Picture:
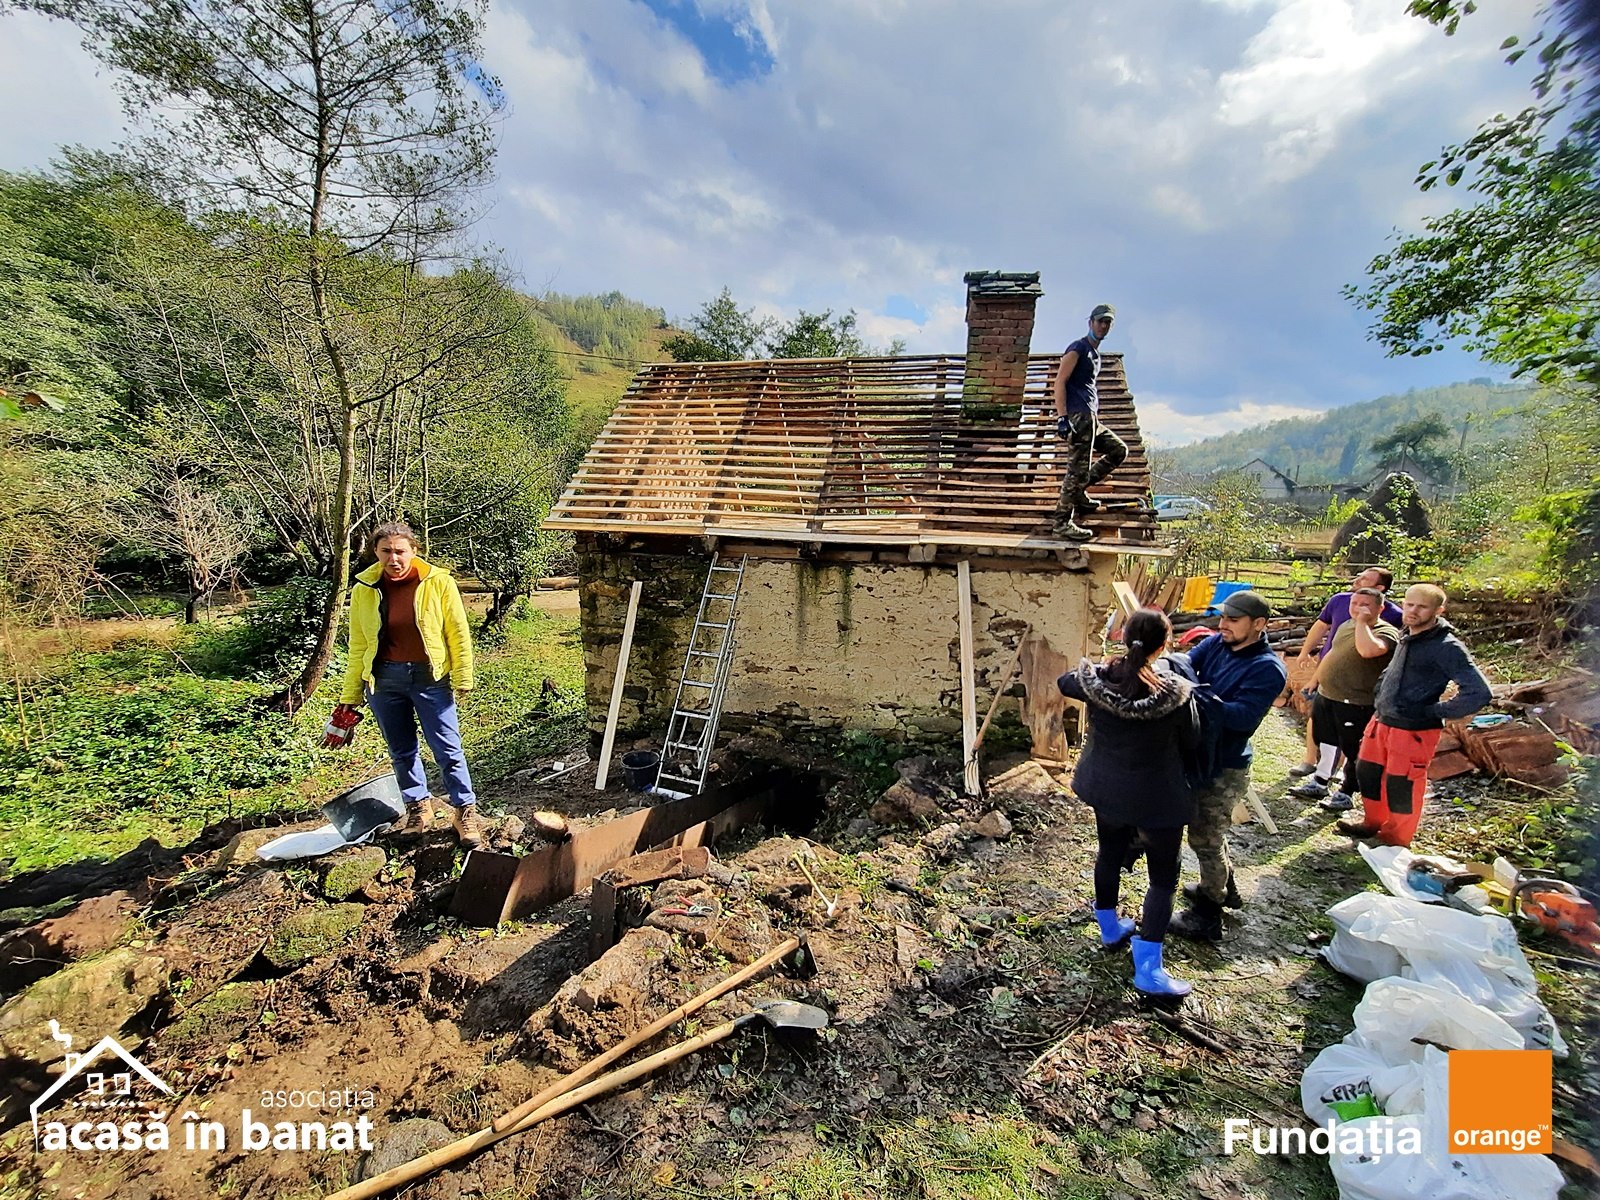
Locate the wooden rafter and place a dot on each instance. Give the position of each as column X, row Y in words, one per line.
column 843, row 447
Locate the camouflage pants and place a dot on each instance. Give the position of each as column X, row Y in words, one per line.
column 1208, row 835
column 1086, row 438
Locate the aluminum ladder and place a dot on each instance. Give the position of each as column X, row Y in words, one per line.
column 697, row 708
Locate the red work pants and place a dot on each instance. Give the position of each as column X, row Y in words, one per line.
column 1393, row 774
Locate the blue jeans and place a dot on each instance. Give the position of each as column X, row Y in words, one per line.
column 407, row 695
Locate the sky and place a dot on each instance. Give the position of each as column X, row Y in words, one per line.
column 1216, row 169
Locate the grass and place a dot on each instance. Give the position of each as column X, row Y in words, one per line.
column 134, row 737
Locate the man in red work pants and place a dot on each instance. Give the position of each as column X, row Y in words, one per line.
column 1403, row 734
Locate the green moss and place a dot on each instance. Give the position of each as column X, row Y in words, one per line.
column 352, row 872
column 214, row 1019
column 312, row 933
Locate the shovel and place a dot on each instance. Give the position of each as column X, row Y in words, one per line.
column 779, row 1014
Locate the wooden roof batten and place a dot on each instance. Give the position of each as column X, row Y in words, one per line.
column 852, row 451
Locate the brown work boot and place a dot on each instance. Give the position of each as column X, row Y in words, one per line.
column 417, row 821
column 469, row 826
column 1356, row 829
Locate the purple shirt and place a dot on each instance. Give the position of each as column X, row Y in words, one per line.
column 1337, row 611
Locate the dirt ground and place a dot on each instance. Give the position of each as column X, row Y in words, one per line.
column 981, row 1043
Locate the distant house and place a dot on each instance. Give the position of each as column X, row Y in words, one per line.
column 1276, row 485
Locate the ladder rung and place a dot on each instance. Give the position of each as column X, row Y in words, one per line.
column 698, row 716
column 722, row 595
column 718, row 567
column 710, row 625
column 697, row 683
column 704, row 654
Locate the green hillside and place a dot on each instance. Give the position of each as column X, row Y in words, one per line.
column 1336, row 446
column 599, row 343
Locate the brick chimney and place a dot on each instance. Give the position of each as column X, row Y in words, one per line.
column 1000, row 308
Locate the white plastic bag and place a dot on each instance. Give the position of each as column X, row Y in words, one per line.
column 1436, row 1172
column 1477, row 956
column 1361, row 958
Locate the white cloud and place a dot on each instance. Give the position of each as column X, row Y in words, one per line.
column 1164, row 425
column 1217, row 170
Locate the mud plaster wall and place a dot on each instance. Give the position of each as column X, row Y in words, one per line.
column 826, row 646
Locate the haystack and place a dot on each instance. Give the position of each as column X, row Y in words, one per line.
column 1394, row 506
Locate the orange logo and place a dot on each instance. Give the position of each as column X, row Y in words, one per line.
column 1500, row 1101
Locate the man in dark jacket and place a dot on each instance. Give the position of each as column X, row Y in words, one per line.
column 1404, row 733
column 1077, row 401
column 1240, row 677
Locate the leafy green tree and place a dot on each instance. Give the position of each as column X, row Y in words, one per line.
column 720, row 332
column 822, row 335
column 1410, row 447
column 1514, row 274
column 353, row 133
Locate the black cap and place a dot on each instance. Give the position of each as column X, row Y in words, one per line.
column 1246, row 604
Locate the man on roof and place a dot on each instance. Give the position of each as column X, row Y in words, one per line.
column 1093, row 451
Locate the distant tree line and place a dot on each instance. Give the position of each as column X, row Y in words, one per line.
column 721, row 331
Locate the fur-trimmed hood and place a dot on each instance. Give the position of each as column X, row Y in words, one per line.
column 1173, row 693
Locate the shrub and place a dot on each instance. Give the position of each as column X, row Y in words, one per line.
column 167, row 748
column 271, row 641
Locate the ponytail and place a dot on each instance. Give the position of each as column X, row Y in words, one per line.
column 1145, row 636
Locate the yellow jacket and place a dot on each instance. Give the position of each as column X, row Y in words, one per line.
column 441, row 619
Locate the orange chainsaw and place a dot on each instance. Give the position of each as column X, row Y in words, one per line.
column 1559, row 907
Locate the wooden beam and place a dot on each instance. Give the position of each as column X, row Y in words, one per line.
column 616, row 686
column 969, row 685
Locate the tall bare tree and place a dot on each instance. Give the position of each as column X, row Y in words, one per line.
column 353, row 134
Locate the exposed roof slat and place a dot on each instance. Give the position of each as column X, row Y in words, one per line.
column 868, row 445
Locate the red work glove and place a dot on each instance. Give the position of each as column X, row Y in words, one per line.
column 341, row 726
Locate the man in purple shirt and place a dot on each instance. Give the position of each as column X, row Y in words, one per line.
column 1320, row 636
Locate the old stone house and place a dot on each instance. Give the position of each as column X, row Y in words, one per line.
column 853, row 490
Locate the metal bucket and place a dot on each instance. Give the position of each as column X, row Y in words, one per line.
column 365, row 807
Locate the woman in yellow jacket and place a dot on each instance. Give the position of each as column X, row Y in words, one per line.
column 410, row 656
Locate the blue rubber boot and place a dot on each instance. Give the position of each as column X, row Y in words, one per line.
column 1114, row 930
column 1148, row 974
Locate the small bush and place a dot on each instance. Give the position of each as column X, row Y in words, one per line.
column 273, row 639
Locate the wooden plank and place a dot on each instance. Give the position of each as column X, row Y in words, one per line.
column 969, row 685
column 616, row 686
column 1043, row 705
column 1005, row 682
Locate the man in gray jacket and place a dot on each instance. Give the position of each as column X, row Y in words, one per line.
column 1404, row 733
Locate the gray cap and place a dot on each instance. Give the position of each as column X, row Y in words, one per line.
column 1103, row 310
column 1246, row 604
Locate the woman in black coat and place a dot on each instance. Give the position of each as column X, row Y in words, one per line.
column 1142, row 725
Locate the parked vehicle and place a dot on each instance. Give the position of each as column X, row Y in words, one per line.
column 1176, row 508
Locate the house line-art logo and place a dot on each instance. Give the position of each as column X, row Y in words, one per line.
column 108, row 1093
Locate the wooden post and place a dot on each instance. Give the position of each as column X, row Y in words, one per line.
column 616, row 686
column 969, row 684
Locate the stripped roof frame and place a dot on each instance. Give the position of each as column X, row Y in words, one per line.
column 847, row 450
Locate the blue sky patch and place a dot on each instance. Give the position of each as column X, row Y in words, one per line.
column 905, row 308
column 733, row 50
